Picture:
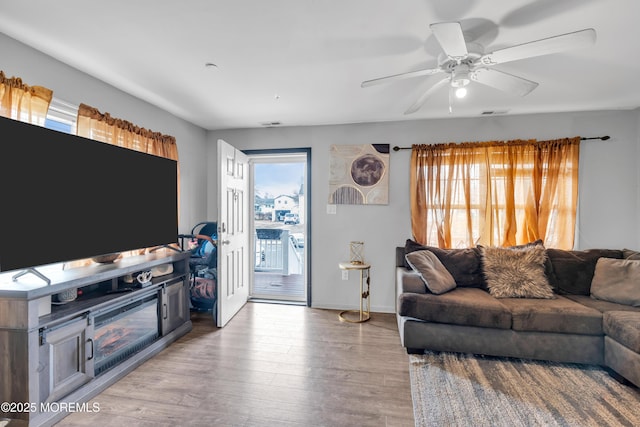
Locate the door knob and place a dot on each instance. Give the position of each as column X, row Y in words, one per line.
column 226, row 242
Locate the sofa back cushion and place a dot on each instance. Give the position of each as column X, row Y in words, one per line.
column 572, row 271
column 617, row 280
column 630, row 254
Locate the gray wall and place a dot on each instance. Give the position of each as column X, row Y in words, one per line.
column 71, row 85
column 609, row 206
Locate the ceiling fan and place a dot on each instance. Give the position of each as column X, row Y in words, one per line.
column 466, row 62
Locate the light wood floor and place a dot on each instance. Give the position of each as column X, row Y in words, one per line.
column 272, row 365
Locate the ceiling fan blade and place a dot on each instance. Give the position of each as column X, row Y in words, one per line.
column 504, row 81
column 401, row 76
column 563, row 42
column 423, row 98
column 451, row 39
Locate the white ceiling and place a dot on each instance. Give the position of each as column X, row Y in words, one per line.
column 301, row 62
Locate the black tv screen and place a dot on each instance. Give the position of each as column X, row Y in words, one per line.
column 65, row 197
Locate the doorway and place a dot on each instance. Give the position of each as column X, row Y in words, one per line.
column 281, row 225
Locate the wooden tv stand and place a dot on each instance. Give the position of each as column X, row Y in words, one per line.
column 48, row 352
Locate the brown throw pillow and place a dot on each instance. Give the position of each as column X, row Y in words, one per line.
column 617, row 280
column 516, row 273
column 434, row 275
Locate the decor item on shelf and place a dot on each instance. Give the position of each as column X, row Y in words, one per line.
column 144, row 277
column 66, row 296
column 356, row 250
column 161, row 270
column 359, row 174
column 106, row 259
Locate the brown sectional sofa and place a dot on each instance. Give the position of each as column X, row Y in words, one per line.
column 572, row 327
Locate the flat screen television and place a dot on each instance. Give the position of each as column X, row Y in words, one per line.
column 65, row 197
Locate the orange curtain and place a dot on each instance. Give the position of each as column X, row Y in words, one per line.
column 102, row 127
column 21, row 102
column 495, row 193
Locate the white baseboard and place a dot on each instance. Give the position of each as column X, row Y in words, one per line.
column 329, row 306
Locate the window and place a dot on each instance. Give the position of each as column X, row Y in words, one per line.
column 495, row 193
column 62, row 116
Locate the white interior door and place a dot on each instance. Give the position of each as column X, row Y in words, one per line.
column 233, row 231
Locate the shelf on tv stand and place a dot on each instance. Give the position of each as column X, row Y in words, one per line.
column 108, row 293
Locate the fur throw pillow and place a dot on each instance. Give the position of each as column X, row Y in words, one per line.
column 516, row 273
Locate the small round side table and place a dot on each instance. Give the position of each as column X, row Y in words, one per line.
column 365, row 303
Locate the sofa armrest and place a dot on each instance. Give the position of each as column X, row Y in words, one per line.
column 400, row 262
column 409, row 281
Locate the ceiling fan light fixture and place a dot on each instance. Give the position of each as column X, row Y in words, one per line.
column 461, row 92
column 460, row 81
column 461, row 76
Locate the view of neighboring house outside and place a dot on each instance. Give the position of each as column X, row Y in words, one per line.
column 275, row 209
column 263, row 208
column 283, row 205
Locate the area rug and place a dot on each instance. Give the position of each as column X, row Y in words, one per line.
column 450, row 389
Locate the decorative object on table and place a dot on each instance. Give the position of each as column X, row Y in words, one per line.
column 359, row 174
column 107, row 258
column 356, row 252
column 462, row 389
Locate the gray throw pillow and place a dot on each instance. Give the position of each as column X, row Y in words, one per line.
column 516, row 273
column 434, row 274
column 617, row 280
column 463, row 264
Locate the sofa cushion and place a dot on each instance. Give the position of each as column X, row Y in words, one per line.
column 434, row 275
column 516, row 273
column 461, row 306
column 617, row 280
column 630, row 254
column 600, row 305
column 553, row 315
column 463, row 264
column 572, row 271
column 624, row 327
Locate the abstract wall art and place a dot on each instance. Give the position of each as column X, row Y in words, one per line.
column 359, row 174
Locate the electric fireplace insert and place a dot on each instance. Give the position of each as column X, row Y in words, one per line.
column 124, row 330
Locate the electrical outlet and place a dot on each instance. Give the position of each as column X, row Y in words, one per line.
column 345, row 274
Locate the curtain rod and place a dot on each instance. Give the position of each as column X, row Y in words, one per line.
column 603, row 138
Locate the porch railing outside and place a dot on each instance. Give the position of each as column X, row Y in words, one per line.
column 277, row 252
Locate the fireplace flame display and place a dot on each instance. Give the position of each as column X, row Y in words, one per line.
column 124, row 331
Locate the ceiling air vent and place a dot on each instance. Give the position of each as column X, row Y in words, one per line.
column 493, row 113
